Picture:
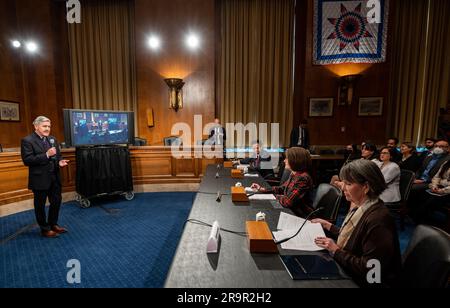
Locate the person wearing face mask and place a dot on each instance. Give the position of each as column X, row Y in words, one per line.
column 429, row 169
column 432, row 163
column 368, row 232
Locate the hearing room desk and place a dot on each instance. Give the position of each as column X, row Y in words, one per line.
column 233, row 266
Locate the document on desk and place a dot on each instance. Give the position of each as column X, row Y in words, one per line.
column 288, row 225
column 262, row 197
column 251, row 175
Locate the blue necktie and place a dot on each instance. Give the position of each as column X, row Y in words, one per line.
column 45, row 143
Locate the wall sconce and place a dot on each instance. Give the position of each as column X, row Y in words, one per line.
column 175, row 92
column 345, row 91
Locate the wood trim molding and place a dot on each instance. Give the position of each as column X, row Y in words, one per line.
column 150, row 165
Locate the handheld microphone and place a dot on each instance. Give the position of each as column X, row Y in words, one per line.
column 301, row 227
column 52, row 143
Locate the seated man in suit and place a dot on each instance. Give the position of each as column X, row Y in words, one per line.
column 255, row 160
column 429, row 169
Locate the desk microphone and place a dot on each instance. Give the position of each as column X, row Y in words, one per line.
column 217, row 175
column 306, row 219
column 219, row 196
column 52, row 143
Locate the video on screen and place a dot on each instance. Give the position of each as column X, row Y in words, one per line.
column 98, row 128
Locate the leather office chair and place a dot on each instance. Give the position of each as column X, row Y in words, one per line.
column 400, row 208
column 172, row 140
column 426, row 261
column 329, row 197
column 1, row 148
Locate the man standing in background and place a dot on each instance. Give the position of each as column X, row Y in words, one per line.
column 41, row 153
column 300, row 135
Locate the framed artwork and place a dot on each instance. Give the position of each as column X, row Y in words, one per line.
column 9, row 111
column 370, row 106
column 321, row 107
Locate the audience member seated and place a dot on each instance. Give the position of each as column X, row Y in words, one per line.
column 352, row 152
column 431, row 165
column 429, row 169
column 368, row 152
column 410, row 161
column 296, row 192
column 437, row 196
column 429, row 145
column 391, row 174
column 368, row 231
column 392, row 143
column 255, row 161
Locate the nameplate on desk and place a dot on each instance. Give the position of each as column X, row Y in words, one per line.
column 228, row 164
column 238, row 194
column 236, row 174
column 260, row 238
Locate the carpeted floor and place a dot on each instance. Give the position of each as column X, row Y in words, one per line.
column 118, row 243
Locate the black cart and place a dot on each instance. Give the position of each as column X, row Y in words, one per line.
column 103, row 171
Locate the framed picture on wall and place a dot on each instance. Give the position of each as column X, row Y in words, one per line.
column 9, row 111
column 370, row 106
column 321, row 107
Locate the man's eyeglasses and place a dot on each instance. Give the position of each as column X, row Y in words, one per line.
column 441, row 146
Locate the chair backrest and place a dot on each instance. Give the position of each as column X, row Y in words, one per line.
column 326, row 152
column 406, row 182
column 140, row 141
column 172, row 140
column 285, row 175
column 328, row 197
column 1, row 148
column 426, row 261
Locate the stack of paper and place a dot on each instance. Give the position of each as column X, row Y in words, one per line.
column 288, row 225
column 262, row 197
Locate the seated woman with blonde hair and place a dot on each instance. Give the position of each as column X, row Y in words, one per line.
column 295, row 193
column 368, row 232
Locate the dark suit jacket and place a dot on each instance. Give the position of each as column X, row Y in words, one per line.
column 374, row 237
column 34, row 156
column 436, row 167
column 295, row 135
column 256, row 165
column 211, row 133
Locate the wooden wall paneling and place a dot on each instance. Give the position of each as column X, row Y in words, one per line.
column 172, row 21
column 322, row 81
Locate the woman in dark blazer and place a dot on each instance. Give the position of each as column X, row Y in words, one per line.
column 368, row 232
column 410, row 160
column 295, row 193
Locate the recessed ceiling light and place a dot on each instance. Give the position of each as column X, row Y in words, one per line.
column 31, row 47
column 16, row 44
column 192, row 41
column 154, row 42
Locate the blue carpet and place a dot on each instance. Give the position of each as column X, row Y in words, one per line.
column 120, row 244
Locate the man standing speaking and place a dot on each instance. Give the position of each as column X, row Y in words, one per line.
column 40, row 152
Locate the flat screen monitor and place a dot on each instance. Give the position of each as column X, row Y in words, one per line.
column 98, row 127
